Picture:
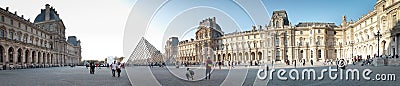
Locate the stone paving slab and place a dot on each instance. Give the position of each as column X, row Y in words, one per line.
column 61, row 76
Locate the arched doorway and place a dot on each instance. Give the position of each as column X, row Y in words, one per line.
column 253, row 56
column 240, row 57
column 48, row 58
column 11, row 55
column 39, row 57
column 234, row 57
column 229, row 57
column 19, row 56
column 246, row 57
column 1, row 54
column 27, row 56
column 33, row 57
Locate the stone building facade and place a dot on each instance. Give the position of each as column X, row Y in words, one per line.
column 317, row 41
column 41, row 43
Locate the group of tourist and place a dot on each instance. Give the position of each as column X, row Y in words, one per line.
column 115, row 67
column 160, row 64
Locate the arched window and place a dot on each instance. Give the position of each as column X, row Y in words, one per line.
column 276, row 23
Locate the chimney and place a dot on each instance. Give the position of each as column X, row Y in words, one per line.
column 47, row 12
column 6, row 8
column 22, row 16
column 214, row 23
column 260, row 27
column 15, row 12
column 254, row 28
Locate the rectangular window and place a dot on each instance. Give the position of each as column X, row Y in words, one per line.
column 2, row 34
column 18, row 37
column 311, row 54
column 11, row 35
column 394, row 20
column 11, row 22
column 2, row 19
column 277, row 41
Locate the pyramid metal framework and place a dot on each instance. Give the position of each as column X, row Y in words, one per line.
column 144, row 54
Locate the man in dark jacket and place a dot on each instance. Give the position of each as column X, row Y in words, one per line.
column 92, row 66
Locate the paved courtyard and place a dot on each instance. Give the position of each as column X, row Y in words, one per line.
column 247, row 76
column 61, row 76
column 145, row 76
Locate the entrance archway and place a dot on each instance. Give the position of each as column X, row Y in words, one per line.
column 1, row 54
column 39, row 58
column 33, row 57
column 27, row 56
column 19, row 56
column 253, row 56
column 11, row 55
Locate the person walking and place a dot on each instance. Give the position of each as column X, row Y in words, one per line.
column 219, row 64
column 119, row 69
column 208, row 68
column 189, row 74
column 113, row 67
column 92, row 67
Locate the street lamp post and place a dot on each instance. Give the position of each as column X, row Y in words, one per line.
column 378, row 36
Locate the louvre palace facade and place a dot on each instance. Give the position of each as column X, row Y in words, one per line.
column 42, row 43
column 279, row 40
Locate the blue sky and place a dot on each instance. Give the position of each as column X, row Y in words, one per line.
column 321, row 10
column 177, row 17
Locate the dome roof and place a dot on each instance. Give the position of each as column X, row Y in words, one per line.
column 50, row 12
